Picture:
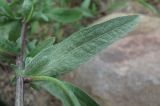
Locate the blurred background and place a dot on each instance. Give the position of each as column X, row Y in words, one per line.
column 125, row 74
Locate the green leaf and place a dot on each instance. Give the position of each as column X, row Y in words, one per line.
column 27, row 9
column 86, row 12
column 8, row 31
column 149, row 6
column 83, row 98
column 79, row 47
column 27, row 4
column 3, row 19
column 45, row 44
column 7, row 48
column 4, row 58
column 14, row 32
column 111, row 6
column 85, row 4
column 40, row 16
column 28, row 59
column 66, row 15
column 5, row 9
column 49, row 84
column 57, row 88
column 31, row 45
column 43, row 10
column 94, row 8
column 35, row 27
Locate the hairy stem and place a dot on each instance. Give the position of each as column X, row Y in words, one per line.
column 20, row 63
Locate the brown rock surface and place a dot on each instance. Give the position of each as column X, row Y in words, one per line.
column 128, row 72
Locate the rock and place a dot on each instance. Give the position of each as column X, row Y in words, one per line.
column 128, row 72
column 134, row 6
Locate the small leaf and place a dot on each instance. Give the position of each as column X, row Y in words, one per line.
column 8, row 31
column 31, row 45
column 86, row 12
column 5, row 9
column 27, row 9
column 45, row 44
column 66, row 15
column 7, row 48
column 28, row 59
column 79, row 47
column 43, row 10
column 85, row 4
column 5, row 58
column 35, row 27
column 57, row 88
column 111, row 6
column 149, row 6
column 15, row 31
column 27, row 4
column 40, row 16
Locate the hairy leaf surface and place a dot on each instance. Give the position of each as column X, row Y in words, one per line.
column 79, row 47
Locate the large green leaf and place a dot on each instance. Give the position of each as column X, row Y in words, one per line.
column 79, row 47
column 57, row 88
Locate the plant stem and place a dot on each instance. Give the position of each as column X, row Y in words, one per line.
column 20, row 63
